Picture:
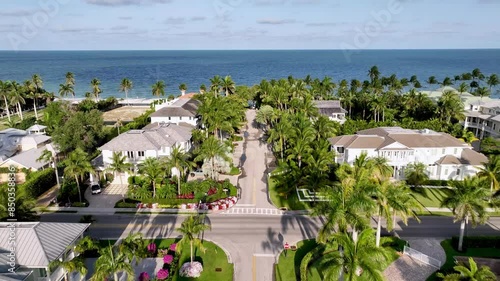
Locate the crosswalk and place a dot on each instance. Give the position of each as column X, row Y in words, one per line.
column 253, row 211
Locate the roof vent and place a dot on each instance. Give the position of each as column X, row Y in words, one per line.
column 136, row 131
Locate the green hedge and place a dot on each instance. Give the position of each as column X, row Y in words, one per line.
column 436, row 182
column 477, row 242
column 39, row 182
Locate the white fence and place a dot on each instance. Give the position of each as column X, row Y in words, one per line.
column 421, row 257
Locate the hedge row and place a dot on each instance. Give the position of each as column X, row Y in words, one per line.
column 39, row 182
column 477, row 242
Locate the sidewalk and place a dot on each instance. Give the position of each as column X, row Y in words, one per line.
column 448, row 210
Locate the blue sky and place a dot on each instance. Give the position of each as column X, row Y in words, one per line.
column 248, row 24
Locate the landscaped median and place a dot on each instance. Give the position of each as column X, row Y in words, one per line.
column 196, row 195
column 289, row 262
column 476, row 247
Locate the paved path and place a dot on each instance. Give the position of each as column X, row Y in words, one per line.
column 253, row 180
column 108, row 197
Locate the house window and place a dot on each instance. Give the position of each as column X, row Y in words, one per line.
column 494, row 126
column 446, row 171
column 455, row 151
column 140, row 153
column 130, row 154
column 458, row 172
column 180, row 118
column 169, row 118
column 340, row 149
column 443, row 151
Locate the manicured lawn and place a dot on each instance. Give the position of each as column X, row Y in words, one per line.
column 288, row 267
column 213, row 257
column 471, row 252
column 291, row 202
column 431, row 197
column 15, row 118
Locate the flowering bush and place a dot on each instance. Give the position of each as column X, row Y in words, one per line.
column 173, row 247
column 162, row 253
column 168, row 259
column 144, row 276
column 152, row 247
column 162, row 274
column 191, row 270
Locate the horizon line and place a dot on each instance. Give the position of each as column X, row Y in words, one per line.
column 194, row 50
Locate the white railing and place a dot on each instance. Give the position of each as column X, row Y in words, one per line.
column 421, row 257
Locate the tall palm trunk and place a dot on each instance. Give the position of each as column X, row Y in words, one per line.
column 126, row 96
column 78, row 186
column 379, row 229
column 354, row 235
column 281, row 150
column 178, row 181
column 154, row 189
column 20, row 110
column 115, row 275
column 462, row 231
column 191, row 246
column 6, row 107
column 34, row 107
column 121, row 184
column 57, row 173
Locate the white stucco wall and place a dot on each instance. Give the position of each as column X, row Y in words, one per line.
column 175, row 120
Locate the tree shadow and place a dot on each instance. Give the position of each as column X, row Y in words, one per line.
column 308, row 226
column 274, row 242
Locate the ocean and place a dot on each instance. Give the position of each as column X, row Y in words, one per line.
column 245, row 67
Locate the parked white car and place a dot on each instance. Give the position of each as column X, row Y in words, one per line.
column 95, row 188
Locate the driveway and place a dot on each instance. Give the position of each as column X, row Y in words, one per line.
column 108, row 197
column 253, row 180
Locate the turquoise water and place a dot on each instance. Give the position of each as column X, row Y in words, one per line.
column 246, row 67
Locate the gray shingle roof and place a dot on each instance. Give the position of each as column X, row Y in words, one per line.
column 182, row 107
column 28, row 159
column 39, row 243
column 328, row 107
column 152, row 137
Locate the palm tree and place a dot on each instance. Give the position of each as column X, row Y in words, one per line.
column 151, row 168
column 32, row 93
column 5, row 94
column 203, row 88
column 462, row 88
column 183, row 88
column 215, row 84
column 179, row 160
column 190, row 228
column 112, row 262
column 446, row 82
column 133, row 247
column 37, row 82
column 356, row 260
column 228, row 85
column 96, row 90
column 86, row 244
column 118, row 124
column 16, row 97
column 416, row 174
column 471, row 272
column 492, row 81
column 467, row 200
column 432, row 80
column 70, row 79
column 491, row 172
column 75, row 264
column 477, row 74
column 158, row 88
column 374, row 73
column 118, row 166
column 50, row 156
column 66, row 89
column 125, row 86
column 211, row 149
column 392, row 198
column 482, row 92
column 77, row 165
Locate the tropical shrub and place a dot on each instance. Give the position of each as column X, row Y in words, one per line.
column 39, row 182
column 144, row 276
column 168, row 259
column 191, row 270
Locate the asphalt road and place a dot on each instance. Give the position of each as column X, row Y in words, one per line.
column 256, row 239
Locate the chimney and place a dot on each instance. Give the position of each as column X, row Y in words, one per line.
column 183, row 92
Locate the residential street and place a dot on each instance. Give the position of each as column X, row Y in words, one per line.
column 253, row 232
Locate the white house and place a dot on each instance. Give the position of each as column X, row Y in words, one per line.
column 155, row 140
column 446, row 157
column 332, row 109
column 483, row 118
column 183, row 110
column 23, row 148
column 37, row 244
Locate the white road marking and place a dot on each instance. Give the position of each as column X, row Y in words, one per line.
column 253, row 211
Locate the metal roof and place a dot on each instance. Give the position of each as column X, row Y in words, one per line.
column 39, row 243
